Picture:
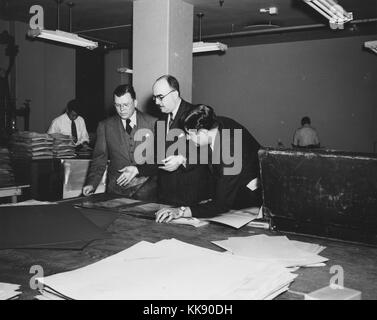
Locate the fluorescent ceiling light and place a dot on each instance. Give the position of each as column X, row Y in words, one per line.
column 372, row 45
column 124, row 70
column 61, row 36
column 330, row 9
column 208, row 46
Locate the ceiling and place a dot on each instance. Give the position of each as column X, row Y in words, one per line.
column 221, row 17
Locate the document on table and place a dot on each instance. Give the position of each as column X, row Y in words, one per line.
column 237, row 218
column 170, row 269
column 30, row 202
column 277, row 248
column 9, row 291
column 108, row 204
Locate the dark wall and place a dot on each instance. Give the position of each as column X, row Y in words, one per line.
column 45, row 74
column 269, row 87
column 90, row 85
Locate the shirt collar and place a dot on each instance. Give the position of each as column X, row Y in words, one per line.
column 213, row 138
column 132, row 120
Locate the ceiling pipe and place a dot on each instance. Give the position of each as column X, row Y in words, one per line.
column 70, row 6
column 105, row 28
column 278, row 30
column 58, row 3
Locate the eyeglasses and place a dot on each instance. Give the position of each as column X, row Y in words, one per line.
column 122, row 105
column 160, row 96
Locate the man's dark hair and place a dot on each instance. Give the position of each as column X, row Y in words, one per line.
column 73, row 105
column 122, row 89
column 305, row 120
column 201, row 117
column 172, row 81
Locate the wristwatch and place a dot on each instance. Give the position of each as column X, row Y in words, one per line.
column 182, row 211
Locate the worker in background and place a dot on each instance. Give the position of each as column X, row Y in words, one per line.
column 70, row 123
column 306, row 136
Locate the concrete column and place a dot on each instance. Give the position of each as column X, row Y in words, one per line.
column 162, row 44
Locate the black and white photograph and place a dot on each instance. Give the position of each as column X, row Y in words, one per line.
column 188, row 156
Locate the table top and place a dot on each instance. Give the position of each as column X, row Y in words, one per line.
column 358, row 261
column 15, row 187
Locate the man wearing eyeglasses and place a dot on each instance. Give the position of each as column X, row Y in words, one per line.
column 115, row 142
column 179, row 183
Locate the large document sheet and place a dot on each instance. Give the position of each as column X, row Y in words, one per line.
column 170, row 269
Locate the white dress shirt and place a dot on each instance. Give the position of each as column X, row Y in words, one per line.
column 62, row 124
column 132, row 121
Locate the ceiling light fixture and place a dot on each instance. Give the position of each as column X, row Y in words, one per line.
column 201, row 46
column 124, row 70
column 270, row 10
column 62, row 36
column 330, row 9
column 372, row 45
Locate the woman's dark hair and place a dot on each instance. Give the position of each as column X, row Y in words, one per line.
column 122, row 89
column 201, row 117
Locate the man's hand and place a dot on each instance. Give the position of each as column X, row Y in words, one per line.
column 172, row 163
column 168, row 214
column 128, row 173
column 87, row 190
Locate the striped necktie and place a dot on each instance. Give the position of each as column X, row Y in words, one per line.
column 128, row 126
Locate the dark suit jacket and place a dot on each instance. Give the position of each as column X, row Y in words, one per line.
column 187, row 185
column 230, row 190
column 115, row 145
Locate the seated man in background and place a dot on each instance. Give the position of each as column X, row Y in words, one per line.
column 115, row 143
column 233, row 162
column 306, row 136
column 71, row 124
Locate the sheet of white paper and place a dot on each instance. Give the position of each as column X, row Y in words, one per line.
column 8, row 290
column 171, row 269
column 236, row 218
column 278, row 249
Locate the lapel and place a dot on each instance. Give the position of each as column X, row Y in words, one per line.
column 139, row 120
column 120, row 131
column 181, row 111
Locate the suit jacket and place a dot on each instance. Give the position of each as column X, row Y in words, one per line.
column 231, row 191
column 187, row 185
column 116, row 145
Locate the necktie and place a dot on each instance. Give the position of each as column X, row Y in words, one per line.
column 128, row 126
column 74, row 131
column 170, row 119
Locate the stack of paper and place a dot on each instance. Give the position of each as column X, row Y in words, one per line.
column 6, row 171
column 278, row 249
column 63, row 146
column 170, row 269
column 32, row 145
column 9, row 291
